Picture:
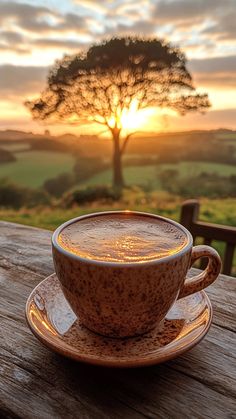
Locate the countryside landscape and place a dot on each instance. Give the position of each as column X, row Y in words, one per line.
column 47, row 179
column 113, row 115
column 110, row 126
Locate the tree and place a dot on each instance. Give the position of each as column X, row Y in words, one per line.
column 6, row 156
column 102, row 84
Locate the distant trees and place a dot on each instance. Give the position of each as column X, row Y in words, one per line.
column 85, row 167
column 16, row 196
column 50, row 145
column 6, row 156
column 211, row 185
column 89, row 194
column 102, row 85
column 59, row 185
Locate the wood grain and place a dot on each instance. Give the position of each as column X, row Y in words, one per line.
column 36, row 383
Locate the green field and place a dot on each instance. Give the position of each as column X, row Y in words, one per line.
column 32, row 168
column 148, row 175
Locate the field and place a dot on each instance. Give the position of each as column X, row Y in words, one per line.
column 148, row 175
column 32, row 168
column 215, row 210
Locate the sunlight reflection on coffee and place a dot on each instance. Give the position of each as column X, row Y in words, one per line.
column 122, row 238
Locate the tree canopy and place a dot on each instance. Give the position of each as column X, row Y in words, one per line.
column 101, row 84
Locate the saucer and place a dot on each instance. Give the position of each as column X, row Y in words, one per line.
column 53, row 322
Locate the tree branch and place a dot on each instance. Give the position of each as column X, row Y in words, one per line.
column 103, row 132
column 126, row 139
column 99, row 122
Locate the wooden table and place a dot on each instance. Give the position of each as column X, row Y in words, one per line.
column 36, row 383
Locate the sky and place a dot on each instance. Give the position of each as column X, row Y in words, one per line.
column 35, row 33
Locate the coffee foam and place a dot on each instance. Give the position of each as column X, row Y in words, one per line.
column 122, row 238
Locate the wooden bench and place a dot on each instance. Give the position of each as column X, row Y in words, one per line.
column 210, row 232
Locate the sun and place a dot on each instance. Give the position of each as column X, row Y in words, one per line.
column 133, row 118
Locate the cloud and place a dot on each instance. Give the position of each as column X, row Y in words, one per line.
column 25, row 15
column 225, row 27
column 71, row 22
column 18, row 50
column 213, row 119
column 203, row 28
column 20, row 80
column 180, row 10
column 94, row 6
column 11, row 36
column 214, row 65
column 28, row 80
column 216, row 71
column 12, row 40
column 180, row 21
column 139, row 28
column 21, row 22
column 210, row 17
column 58, row 43
column 39, row 19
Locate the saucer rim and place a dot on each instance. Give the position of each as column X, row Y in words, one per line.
column 137, row 362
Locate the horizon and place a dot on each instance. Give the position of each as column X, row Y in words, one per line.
column 140, row 135
column 36, row 33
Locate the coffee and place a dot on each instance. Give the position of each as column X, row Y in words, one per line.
column 122, row 238
column 127, row 299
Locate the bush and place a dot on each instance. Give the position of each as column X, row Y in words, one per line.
column 59, row 185
column 49, row 144
column 169, row 179
column 85, row 167
column 205, row 184
column 15, row 196
column 90, row 194
column 6, row 156
column 140, row 160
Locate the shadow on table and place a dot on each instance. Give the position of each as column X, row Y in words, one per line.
column 116, row 390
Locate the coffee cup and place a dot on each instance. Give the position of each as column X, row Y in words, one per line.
column 122, row 271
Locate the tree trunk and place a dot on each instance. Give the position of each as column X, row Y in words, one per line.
column 118, row 181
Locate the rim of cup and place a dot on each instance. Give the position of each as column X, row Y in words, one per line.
column 71, row 255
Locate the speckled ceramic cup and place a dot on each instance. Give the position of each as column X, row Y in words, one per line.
column 127, row 299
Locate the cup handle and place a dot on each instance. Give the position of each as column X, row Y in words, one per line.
column 205, row 278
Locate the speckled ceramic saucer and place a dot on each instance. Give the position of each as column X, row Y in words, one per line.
column 54, row 323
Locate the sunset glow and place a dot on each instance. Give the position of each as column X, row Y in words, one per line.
column 134, row 118
column 35, row 33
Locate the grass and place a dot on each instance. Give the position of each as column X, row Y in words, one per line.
column 148, row 175
column 214, row 211
column 195, row 168
column 32, row 168
column 134, row 175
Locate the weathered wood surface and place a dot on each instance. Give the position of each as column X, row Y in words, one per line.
column 36, row 383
